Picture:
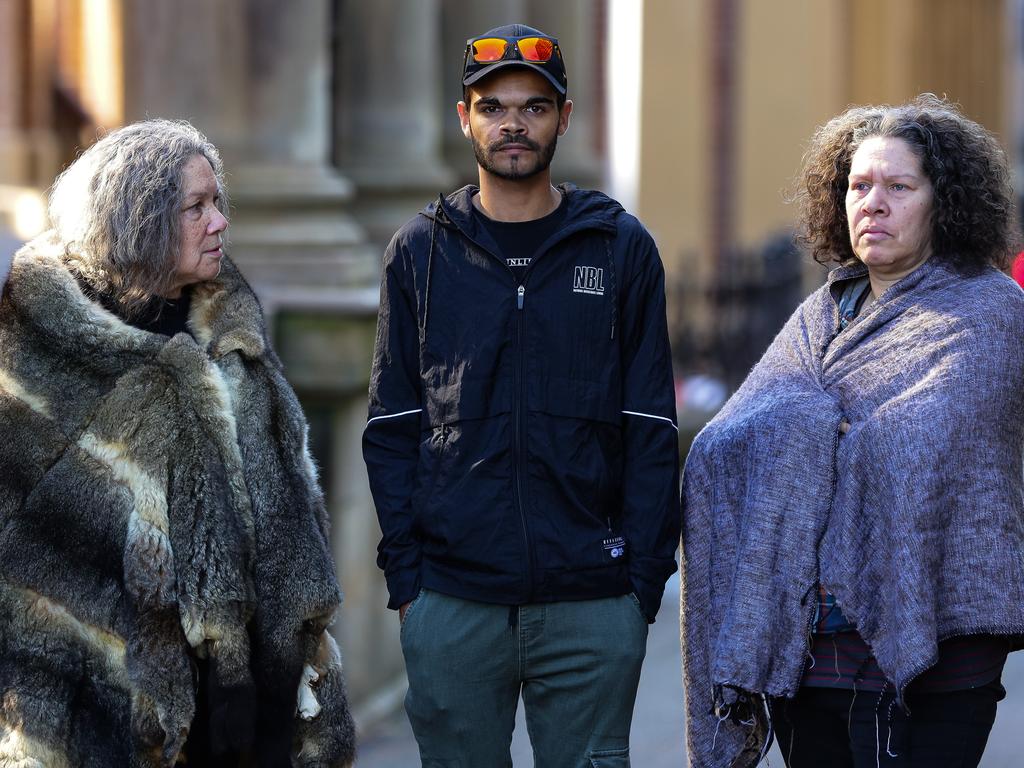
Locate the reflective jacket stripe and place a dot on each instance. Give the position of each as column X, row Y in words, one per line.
column 652, row 416
column 392, row 416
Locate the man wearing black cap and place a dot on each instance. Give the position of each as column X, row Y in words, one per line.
column 521, row 446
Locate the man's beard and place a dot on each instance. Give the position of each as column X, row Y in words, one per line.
column 516, row 170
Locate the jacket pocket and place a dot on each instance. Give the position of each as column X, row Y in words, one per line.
column 578, row 399
column 430, row 472
column 462, row 399
column 575, row 439
column 465, row 471
column 575, row 475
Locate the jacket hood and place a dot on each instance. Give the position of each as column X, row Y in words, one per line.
column 588, row 209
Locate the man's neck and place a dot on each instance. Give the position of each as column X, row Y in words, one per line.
column 519, row 200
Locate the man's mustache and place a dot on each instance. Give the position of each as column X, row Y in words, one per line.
column 521, row 141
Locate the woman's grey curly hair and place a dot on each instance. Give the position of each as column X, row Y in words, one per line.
column 116, row 209
column 973, row 222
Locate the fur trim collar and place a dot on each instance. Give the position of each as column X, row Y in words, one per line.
column 225, row 317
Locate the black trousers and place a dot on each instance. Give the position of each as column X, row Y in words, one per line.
column 199, row 751
column 835, row 728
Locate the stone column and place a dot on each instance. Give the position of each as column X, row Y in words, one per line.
column 368, row 632
column 256, row 80
column 206, row 85
column 14, row 145
column 579, row 27
column 30, row 151
column 13, row 142
column 388, row 123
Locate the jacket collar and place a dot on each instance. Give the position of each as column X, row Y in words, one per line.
column 587, row 209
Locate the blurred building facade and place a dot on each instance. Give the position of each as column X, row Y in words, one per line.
column 733, row 90
column 336, row 119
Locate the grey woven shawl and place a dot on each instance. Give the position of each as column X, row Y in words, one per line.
column 914, row 519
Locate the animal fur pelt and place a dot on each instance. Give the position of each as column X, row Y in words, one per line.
column 913, row 519
column 158, row 505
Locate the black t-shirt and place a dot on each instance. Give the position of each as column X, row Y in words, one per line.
column 166, row 316
column 518, row 241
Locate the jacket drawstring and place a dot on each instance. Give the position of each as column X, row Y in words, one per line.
column 430, row 269
column 611, row 283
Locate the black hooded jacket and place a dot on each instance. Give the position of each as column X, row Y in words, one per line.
column 521, row 442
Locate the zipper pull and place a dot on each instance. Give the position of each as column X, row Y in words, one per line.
column 520, row 294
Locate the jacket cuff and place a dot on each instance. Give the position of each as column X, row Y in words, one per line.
column 403, row 586
column 648, row 577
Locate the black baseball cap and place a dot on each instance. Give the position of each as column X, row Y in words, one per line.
column 553, row 69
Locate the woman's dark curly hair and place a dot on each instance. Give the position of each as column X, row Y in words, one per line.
column 973, row 221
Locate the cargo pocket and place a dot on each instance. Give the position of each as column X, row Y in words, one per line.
column 610, row 758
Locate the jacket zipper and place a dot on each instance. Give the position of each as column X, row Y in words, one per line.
column 519, row 429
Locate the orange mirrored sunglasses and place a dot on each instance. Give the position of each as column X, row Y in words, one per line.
column 487, row 50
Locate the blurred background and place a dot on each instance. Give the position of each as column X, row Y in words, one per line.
column 337, row 123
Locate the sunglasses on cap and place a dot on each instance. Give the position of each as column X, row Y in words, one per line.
column 492, row 51
column 487, row 50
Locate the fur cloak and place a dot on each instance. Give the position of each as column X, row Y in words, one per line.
column 157, row 504
column 914, row 519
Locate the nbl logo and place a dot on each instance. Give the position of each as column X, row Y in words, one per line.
column 588, row 280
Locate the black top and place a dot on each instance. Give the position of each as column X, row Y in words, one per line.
column 166, row 316
column 519, row 241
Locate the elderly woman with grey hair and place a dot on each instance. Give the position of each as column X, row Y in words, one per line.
column 854, row 516
column 166, row 581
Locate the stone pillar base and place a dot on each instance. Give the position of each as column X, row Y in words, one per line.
column 390, row 195
column 292, row 234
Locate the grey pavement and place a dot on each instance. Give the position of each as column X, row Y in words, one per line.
column 657, row 737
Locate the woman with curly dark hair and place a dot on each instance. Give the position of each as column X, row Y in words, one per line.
column 854, row 516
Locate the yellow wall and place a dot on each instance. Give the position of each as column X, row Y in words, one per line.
column 799, row 62
column 671, row 195
column 790, row 78
column 955, row 48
